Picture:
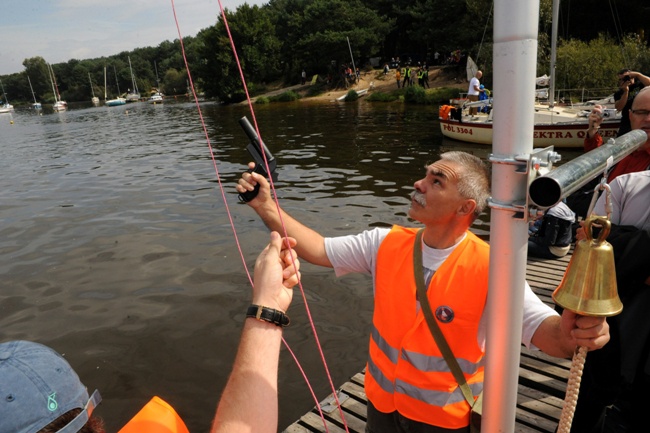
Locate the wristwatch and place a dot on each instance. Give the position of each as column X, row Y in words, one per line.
column 267, row 314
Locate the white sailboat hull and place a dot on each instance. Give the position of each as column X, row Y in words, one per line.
column 115, row 102
column 559, row 127
column 569, row 135
column 60, row 106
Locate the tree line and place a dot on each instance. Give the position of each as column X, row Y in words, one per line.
column 276, row 41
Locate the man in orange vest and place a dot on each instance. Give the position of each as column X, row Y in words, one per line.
column 41, row 391
column 407, row 382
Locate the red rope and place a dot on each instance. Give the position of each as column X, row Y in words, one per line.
column 275, row 198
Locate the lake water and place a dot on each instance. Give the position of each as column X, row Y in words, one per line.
column 116, row 247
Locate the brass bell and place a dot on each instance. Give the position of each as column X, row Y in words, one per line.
column 589, row 287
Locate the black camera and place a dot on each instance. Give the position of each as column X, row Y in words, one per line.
column 626, row 78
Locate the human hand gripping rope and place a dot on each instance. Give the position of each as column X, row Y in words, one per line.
column 267, row 160
column 588, row 288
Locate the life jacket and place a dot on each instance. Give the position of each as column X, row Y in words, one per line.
column 444, row 111
column 157, row 416
column 406, row 371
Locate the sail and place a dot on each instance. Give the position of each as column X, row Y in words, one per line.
column 471, row 68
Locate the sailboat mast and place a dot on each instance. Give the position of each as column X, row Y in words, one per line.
column 57, row 95
column 157, row 79
column 105, row 84
column 51, row 72
column 116, row 82
column 354, row 69
column 4, row 95
column 32, row 89
column 135, row 86
column 91, row 85
column 554, row 23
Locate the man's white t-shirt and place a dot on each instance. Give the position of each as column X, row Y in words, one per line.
column 473, row 84
column 358, row 254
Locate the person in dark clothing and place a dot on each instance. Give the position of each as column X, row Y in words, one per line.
column 552, row 239
column 629, row 83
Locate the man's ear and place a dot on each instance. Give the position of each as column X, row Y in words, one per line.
column 467, row 208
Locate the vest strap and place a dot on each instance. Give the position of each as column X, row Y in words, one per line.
column 437, row 334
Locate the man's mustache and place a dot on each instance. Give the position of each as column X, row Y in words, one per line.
column 419, row 198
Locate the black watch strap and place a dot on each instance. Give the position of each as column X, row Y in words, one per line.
column 267, row 314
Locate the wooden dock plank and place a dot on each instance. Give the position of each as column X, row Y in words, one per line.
column 542, row 378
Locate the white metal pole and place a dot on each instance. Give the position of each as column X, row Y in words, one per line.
column 515, row 59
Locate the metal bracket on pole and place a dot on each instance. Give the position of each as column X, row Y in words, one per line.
column 538, row 163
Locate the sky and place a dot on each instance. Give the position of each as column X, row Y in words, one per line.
column 61, row 30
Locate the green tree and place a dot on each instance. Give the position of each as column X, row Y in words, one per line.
column 175, row 82
column 257, row 47
column 326, row 38
column 36, row 69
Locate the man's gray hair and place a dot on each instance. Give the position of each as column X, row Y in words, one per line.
column 474, row 181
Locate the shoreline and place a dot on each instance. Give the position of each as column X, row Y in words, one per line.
column 374, row 81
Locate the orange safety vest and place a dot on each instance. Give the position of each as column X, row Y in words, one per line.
column 406, row 371
column 444, row 111
column 157, row 416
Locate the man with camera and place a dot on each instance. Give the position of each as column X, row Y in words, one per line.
column 629, row 83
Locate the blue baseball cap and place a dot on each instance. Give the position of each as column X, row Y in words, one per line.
column 37, row 386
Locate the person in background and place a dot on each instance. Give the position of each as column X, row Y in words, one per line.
column 639, row 160
column 629, row 85
column 41, row 393
column 473, row 91
column 303, row 77
column 398, row 76
column 553, row 235
column 407, row 76
column 615, row 381
column 409, row 389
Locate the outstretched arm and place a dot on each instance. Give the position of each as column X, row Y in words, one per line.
column 249, row 403
column 560, row 335
column 310, row 246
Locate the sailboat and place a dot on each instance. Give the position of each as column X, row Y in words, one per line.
column 116, row 101
column 36, row 105
column 156, row 95
column 6, row 107
column 134, row 95
column 553, row 125
column 95, row 99
column 59, row 105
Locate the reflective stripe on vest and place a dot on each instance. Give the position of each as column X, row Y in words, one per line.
column 422, row 362
column 406, row 371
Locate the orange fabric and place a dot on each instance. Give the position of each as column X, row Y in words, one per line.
column 460, row 284
column 157, row 416
column 444, row 111
column 593, row 142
